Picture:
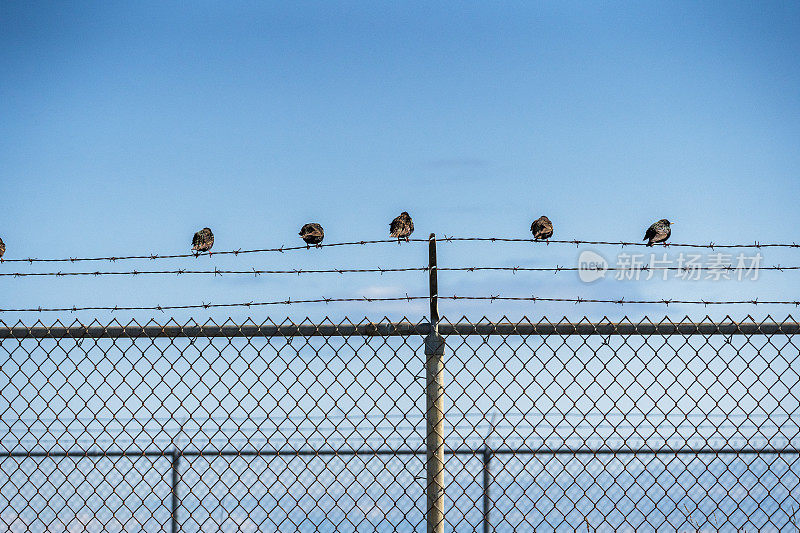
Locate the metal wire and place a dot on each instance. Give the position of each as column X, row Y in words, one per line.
column 384, row 270
column 217, row 272
column 240, row 251
column 368, row 299
column 288, row 301
column 445, row 239
column 577, row 242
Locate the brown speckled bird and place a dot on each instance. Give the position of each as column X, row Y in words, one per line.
column 542, row 228
column 203, row 240
column 401, row 227
column 2, row 249
column 312, row 233
column 658, row 232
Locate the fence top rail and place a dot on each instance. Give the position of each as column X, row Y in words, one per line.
column 397, row 329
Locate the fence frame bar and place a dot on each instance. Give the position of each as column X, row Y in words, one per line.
column 176, row 458
column 487, row 502
column 400, row 329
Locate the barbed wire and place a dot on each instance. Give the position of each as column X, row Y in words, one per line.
column 623, row 301
column 407, row 298
column 443, row 239
column 217, row 272
column 288, row 301
column 577, row 242
column 639, row 269
column 280, row 249
column 382, row 270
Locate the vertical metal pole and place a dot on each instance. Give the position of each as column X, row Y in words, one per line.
column 433, row 283
column 487, row 457
column 174, row 505
column 434, row 392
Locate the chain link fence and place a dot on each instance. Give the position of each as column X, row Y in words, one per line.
column 322, row 427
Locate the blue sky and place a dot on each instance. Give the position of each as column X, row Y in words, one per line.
column 128, row 126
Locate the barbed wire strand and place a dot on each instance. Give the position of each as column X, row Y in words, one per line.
column 443, row 239
column 577, row 242
column 281, row 249
column 217, row 272
column 381, row 270
column 491, row 298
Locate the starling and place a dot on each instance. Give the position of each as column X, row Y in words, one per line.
column 2, row 248
column 658, row 232
column 203, row 240
column 401, row 227
column 542, row 228
column 312, row 233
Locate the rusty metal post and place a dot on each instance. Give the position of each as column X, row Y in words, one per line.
column 176, row 458
column 487, row 479
column 434, row 393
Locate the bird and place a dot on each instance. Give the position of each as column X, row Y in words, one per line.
column 312, row 233
column 401, row 227
column 2, row 249
column 203, row 240
column 542, row 228
column 658, row 232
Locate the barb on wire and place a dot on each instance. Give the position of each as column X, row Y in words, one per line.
column 371, row 299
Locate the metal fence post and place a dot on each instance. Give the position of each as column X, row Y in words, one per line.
column 174, row 504
column 487, row 502
column 434, row 394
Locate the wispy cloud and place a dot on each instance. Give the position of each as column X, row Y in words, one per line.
column 382, row 291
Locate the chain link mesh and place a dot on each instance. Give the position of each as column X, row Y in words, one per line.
column 321, row 427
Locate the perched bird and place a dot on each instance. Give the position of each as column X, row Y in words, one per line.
column 2, row 248
column 658, row 232
column 312, row 233
column 203, row 240
column 542, row 228
column 401, row 227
